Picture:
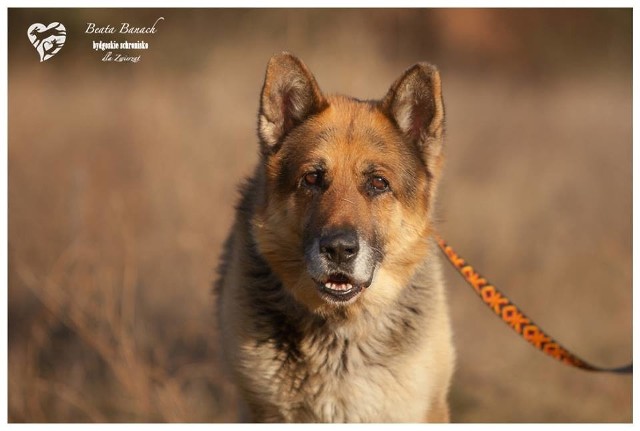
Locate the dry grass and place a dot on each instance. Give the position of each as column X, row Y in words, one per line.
column 122, row 181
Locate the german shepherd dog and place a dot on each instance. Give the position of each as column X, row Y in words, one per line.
column 331, row 301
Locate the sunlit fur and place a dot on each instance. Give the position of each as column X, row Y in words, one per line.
column 404, row 223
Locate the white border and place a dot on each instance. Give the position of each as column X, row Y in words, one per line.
column 636, row 261
column 4, row 173
column 321, row 4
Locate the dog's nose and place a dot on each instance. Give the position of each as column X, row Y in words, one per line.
column 340, row 246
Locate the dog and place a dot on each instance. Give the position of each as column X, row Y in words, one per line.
column 331, row 303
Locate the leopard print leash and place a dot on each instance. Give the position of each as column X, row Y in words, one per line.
column 515, row 318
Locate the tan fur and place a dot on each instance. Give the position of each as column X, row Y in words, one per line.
column 387, row 356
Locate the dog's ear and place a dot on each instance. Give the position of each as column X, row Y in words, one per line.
column 290, row 94
column 414, row 103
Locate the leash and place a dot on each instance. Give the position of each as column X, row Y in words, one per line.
column 516, row 319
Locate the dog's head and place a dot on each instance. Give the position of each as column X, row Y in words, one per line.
column 348, row 184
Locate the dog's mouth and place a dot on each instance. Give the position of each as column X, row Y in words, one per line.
column 339, row 288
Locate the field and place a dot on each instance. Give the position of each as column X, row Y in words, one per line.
column 122, row 180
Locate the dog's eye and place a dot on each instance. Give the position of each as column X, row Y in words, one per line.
column 378, row 184
column 312, row 179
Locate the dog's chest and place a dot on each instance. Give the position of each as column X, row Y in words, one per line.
column 335, row 378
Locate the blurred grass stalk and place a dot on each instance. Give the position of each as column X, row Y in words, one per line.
column 97, row 303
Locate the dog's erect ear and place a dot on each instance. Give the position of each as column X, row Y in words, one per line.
column 415, row 103
column 290, row 94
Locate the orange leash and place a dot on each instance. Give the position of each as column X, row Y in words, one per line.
column 516, row 319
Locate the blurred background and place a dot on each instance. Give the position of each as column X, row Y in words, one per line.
column 122, row 181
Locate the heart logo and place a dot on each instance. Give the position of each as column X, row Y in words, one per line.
column 48, row 40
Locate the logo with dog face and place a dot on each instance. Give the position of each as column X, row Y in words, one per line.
column 48, row 40
column 349, row 184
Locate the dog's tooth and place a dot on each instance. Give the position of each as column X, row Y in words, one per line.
column 339, row 287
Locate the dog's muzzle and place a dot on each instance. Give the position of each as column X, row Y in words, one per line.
column 341, row 263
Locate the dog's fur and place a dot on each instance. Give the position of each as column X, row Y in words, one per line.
column 331, row 303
